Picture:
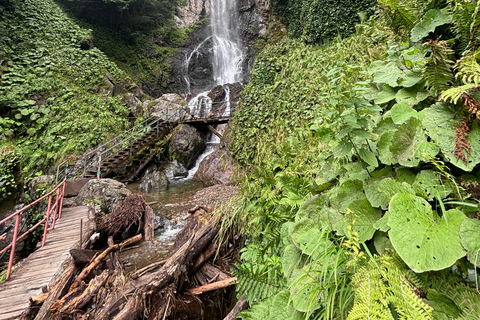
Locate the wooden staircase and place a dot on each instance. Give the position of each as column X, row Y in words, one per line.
column 127, row 153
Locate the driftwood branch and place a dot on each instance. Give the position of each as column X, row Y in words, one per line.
column 86, row 271
column 129, row 303
column 239, row 306
column 213, row 286
column 147, row 269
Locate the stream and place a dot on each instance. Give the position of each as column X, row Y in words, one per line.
column 170, row 209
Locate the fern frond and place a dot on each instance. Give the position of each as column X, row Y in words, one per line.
column 468, row 69
column 466, row 21
column 257, row 282
column 404, row 14
column 378, row 290
column 454, row 94
column 438, row 70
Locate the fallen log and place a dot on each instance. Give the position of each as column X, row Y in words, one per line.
column 148, row 223
column 86, row 296
column 81, row 256
column 129, row 303
column 204, row 256
column 213, row 286
column 86, row 271
column 213, row 273
column 147, row 269
column 239, row 306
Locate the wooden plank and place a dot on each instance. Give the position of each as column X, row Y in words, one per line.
column 41, row 266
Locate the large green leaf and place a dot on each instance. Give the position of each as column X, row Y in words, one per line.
column 386, row 95
column 384, row 153
column 406, row 143
column 470, row 238
column 428, row 185
column 388, row 74
column 401, row 112
column 348, row 192
column 389, row 187
column 363, row 218
column 424, row 240
column 432, row 19
column 440, row 122
column 370, row 186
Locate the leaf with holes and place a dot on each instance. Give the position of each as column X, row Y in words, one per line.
column 406, row 142
column 469, row 236
column 432, row 19
column 424, row 240
column 428, row 185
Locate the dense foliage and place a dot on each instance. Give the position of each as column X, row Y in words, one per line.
column 139, row 36
column 360, row 196
column 322, row 20
column 55, row 97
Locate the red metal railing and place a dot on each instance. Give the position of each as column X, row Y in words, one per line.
column 55, row 209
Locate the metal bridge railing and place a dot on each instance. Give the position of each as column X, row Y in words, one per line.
column 54, row 211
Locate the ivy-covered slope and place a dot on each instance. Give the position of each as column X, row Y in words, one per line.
column 360, row 195
column 56, row 91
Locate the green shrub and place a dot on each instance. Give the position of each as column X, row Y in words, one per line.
column 316, row 21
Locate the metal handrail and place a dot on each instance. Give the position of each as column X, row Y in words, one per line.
column 61, row 171
column 56, row 209
column 113, row 140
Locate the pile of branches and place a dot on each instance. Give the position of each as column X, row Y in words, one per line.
column 126, row 215
column 101, row 289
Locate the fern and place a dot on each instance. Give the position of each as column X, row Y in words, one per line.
column 461, row 299
column 466, row 21
column 257, row 281
column 438, row 70
column 468, row 72
column 386, row 292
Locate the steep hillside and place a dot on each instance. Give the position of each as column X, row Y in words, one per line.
column 58, row 94
column 361, row 156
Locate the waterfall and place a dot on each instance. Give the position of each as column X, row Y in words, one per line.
column 227, row 45
column 226, row 56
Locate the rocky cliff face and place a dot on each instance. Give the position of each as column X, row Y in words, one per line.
column 253, row 18
column 191, row 13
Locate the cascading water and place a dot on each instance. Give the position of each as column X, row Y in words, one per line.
column 226, row 56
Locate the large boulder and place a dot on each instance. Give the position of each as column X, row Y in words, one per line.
column 39, row 186
column 225, row 99
column 108, row 191
column 216, row 168
column 153, row 179
column 169, row 107
column 175, row 171
column 186, row 144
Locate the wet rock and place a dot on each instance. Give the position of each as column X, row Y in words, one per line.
column 220, row 99
column 169, row 107
column 159, row 222
column 192, row 12
column 216, row 168
column 73, row 186
column 175, row 171
column 153, row 179
column 186, row 144
column 38, row 186
column 109, row 192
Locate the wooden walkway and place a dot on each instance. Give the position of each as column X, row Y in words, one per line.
column 38, row 269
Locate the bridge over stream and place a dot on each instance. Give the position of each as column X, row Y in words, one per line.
column 133, row 145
